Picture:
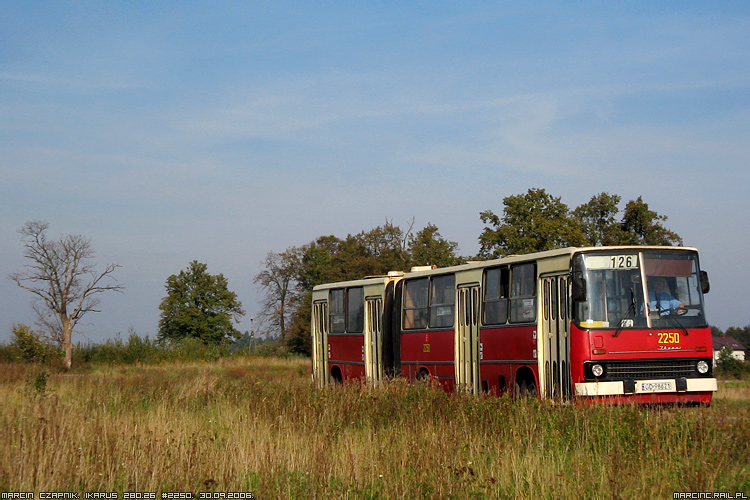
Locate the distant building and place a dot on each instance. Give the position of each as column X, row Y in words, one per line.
column 738, row 349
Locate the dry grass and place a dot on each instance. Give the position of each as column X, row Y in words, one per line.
column 738, row 390
column 259, row 425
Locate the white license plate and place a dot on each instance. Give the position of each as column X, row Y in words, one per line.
column 661, row 386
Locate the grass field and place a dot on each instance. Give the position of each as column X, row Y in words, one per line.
column 258, row 425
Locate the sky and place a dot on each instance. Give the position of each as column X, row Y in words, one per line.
column 168, row 132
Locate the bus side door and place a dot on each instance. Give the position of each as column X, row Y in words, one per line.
column 468, row 348
column 373, row 344
column 554, row 339
column 320, row 343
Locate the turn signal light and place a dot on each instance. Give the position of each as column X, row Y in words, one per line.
column 599, row 351
column 701, row 348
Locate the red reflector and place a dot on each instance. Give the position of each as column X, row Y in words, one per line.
column 701, row 348
column 600, row 351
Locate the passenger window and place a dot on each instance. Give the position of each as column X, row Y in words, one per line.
column 416, row 306
column 523, row 293
column 355, row 310
column 496, row 296
column 442, row 302
column 338, row 311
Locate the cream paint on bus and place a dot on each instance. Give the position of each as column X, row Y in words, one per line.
column 549, row 330
column 376, row 297
column 373, row 345
column 320, row 342
column 551, row 333
column 375, row 289
column 467, row 345
column 553, row 340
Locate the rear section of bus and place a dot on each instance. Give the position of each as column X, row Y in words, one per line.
column 351, row 330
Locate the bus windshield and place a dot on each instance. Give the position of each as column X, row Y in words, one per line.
column 631, row 289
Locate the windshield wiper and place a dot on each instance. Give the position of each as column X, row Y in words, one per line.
column 673, row 318
column 631, row 307
column 669, row 316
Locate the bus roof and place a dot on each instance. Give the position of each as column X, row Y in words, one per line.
column 547, row 254
column 370, row 280
column 509, row 259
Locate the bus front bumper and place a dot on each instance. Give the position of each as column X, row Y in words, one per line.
column 661, row 386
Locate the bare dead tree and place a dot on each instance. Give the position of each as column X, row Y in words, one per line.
column 48, row 323
column 277, row 281
column 63, row 276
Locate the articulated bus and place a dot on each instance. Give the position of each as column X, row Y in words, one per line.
column 596, row 324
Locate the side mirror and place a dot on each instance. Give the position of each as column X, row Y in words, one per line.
column 578, row 292
column 705, row 285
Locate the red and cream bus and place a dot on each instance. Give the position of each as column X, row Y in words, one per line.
column 610, row 324
column 352, row 329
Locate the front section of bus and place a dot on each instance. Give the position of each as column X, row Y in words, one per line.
column 639, row 332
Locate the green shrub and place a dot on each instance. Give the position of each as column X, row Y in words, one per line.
column 36, row 384
column 727, row 364
column 272, row 349
column 29, row 346
column 136, row 350
column 9, row 353
column 139, row 349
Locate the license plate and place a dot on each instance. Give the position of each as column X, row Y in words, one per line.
column 661, row 386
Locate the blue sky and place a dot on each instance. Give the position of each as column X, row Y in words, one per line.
column 213, row 131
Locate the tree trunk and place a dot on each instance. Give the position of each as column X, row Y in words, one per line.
column 67, row 342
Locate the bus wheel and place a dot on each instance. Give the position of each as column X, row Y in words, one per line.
column 526, row 389
column 423, row 376
column 336, row 377
column 525, row 384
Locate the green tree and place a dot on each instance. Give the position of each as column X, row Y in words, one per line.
column 531, row 222
column 355, row 258
column 199, row 305
column 28, row 343
column 643, row 226
column 330, row 259
column 298, row 340
column 375, row 252
column 716, row 331
column 638, row 225
column 63, row 276
column 428, row 247
column 599, row 221
column 385, row 247
column 726, row 362
column 316, row 265
column 741, row 335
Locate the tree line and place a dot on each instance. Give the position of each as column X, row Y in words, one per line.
column 530, row 222
column 198, row 305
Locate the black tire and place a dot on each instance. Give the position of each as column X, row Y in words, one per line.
column 526, row 389
column 336, row 377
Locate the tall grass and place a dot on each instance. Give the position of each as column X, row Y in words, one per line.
column 257, row 424
column 27, row 346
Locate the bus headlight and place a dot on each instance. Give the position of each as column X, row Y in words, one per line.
column 597, row 370
column 702, row 367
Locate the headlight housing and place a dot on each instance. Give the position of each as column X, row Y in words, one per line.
column 597, row 370
column 702, row 367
